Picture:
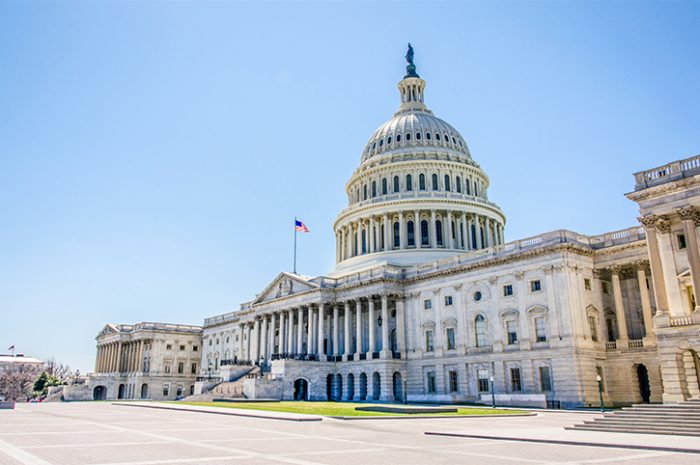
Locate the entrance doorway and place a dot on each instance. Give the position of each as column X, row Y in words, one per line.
column 301, row 389
column 643, row 379
column 121, row 393
column 99, row 393
column 144, row 391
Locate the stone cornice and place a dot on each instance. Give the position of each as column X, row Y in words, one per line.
column 669, row 188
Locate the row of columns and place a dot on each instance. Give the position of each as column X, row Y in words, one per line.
column 376, row 233
column 658, row 231
column 620, row 315
column 320, row 324
column 119, row 357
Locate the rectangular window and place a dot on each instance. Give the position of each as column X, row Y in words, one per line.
column 194, row 348
column 507, row 290
column 512, row 330
column 448, row 300
column 604, row 287
column 430, row 379
column 182, row 347
column 545, row 379
column 601, row 375
column 428, row 341
column 194, row 368
column 594, row 328
column 450, row 339
column 167, row 367
column 180, row 368
column 515, row 383
column 453, row 382
column 681, row 241
column 483, row 376
column 535, row 285
column 427, row 304
column 587, row 283
column 166, row 389
column 540, row 330
column 179, row 390
column 169, row 347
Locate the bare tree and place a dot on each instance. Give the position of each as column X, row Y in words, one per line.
column 57, row 369
column 16, row 382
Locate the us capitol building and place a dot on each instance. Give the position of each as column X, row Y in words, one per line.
column 428, row 303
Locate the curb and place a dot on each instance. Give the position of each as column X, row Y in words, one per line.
column 429, row 417
column 568, row 443
column 232, row 413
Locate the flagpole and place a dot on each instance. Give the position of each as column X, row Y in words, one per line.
column 295, row 245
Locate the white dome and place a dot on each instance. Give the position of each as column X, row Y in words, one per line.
column 414, row 129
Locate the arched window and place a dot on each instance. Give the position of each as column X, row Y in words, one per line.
column 438, row 233
column 418, row 136
column 458, row 184
column 424, row 237
column 480, row 330
column 374, row 189
column 411, row 234
column 447, row 183
column 435, row 182
column 364, row 241
column 408, row 136
column 469, row 190
column 364, row 193
column 384, row 186
column 396, row 184
column 421, row 182
column 473, row 237
column 409, row 183
column 397, row 235
column 476, row 189
column 427, row 135
column 437, row 135
column 382, row 238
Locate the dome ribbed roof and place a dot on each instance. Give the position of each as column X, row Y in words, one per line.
column 414, row 130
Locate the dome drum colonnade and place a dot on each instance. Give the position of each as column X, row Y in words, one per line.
column 417, row 189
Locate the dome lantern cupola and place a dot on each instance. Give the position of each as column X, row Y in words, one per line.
column 417, row 196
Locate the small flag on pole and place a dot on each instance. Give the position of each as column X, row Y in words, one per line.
column 11, row 348
column 300, row 226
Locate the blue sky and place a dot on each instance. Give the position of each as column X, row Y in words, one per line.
column 153, row 155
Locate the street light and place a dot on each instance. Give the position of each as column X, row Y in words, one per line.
column 209, row 371
column 493, row 395
column 600, row 392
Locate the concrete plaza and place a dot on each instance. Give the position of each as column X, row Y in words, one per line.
column 102, row 433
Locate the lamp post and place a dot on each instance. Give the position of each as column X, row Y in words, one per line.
column 209, row 371
column 493, row 395
column 600, row 392
column 405, row 392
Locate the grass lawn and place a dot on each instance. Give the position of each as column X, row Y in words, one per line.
column 340, row 409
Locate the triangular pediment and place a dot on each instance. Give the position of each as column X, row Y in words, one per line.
column 107, row 330
column 284, row 285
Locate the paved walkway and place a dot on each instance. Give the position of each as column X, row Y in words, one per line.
column 103, row 434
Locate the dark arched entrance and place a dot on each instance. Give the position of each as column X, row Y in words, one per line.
column 376, row 385
column 301, row 389
column 99, row 393
column 144, row 391
column 363, row 386
column 398, row 387
column 329, row 387
column 122, row 391
column 351, row 387
column 643, row 379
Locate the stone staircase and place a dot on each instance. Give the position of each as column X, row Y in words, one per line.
column 675, row 419
column 226, row 390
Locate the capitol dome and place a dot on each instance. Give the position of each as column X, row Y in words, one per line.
column 417, row 195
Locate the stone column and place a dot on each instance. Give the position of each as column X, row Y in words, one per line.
column 400, row 328
column 119, row 358
column 321, row 331
column 98, row 358
column 263, row 339
column 256, row 341
column 433, row 230
column 371, row 324
column 646, row 302
column 657, row 273
column 272, row 337
column 283, row 332
column 402, row 232
column 619, row 308
column 358, row 329
column 416, row 229
column 450, row 241
column 688, row 217
column 347, row 338
column 139, row 361
column 385, row 353
column 290, row 331
column 468, row 232
column 387, row 233
column 249, row 346
column 309, row 330
column 240, row 341
column 372, row 245
column 477, row 231
column 300, row 331
column 348, row 241
column 336, row 331
column 358, row 237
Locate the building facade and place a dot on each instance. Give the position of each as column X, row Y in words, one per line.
column 428, row 303
column 156, row 361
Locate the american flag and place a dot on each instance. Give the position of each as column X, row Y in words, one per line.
column 300, row 226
